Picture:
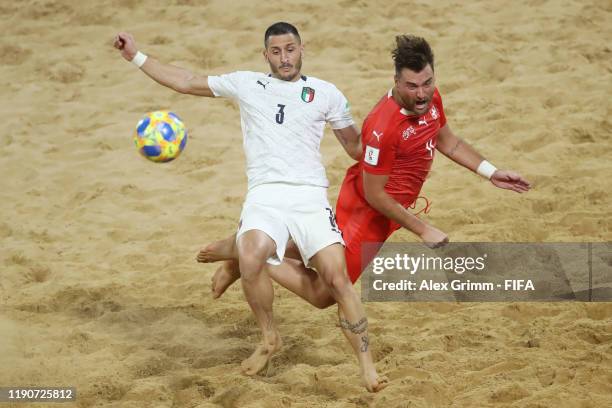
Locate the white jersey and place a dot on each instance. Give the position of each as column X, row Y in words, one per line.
column 282, row 124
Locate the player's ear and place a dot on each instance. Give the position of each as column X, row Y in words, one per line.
column 265, row 55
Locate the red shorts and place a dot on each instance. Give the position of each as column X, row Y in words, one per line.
column 359, row 224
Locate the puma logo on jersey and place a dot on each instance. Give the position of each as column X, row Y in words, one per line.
column 377, row 135
column 422, row 122
column 262, row 84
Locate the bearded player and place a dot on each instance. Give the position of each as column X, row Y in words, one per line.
column 399, row 137
column 283, row 114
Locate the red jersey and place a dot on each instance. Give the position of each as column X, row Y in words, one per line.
column 396, row 144
column 401, row 145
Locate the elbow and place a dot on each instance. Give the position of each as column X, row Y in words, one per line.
column 181, row 87
column 379, row 200
column 357, row 151
column 442, row 147
column 444, row 152
column 373, row 200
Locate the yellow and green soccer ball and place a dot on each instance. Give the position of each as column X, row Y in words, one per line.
column 160, row 136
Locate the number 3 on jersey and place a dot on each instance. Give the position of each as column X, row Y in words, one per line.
column 280, row 115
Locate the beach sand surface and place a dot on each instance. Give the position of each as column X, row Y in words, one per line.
column 99, row 288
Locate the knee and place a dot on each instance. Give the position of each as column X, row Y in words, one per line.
column 338, row 282
column 252, row 256
column 251, row 265
column 324, row 302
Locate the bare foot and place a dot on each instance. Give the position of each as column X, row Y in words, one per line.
column 261, row 356
column 217, row 251
column 223, row 278
column 374, row 382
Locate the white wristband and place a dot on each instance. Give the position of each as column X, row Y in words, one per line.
column 486, row 169
column 139, row 59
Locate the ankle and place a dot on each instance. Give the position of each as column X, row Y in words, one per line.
column 365, row 360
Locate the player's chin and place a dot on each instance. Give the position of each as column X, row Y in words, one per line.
column 421, row 108
column 287, row 76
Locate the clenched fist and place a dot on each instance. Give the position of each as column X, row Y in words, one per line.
column 126, row 44
column 433, row 237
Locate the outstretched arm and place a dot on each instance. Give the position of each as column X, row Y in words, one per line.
column 462, row 153
column 350, row 139
column 377, row 197
column 178, row 79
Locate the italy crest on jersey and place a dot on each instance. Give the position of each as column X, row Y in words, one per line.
column 308, row 94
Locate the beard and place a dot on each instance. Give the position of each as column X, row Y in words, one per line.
column 287, row 76
column 426, row 103
column 410, row 103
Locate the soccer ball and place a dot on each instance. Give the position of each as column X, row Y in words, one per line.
column 160, row 136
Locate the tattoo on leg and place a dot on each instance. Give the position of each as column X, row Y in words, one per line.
column 356, row 328
column 455, row 148
column 365, row 342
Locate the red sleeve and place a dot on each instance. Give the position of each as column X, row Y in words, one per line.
column 437, row 101
column 379, row 152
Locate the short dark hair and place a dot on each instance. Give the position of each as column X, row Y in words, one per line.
column 412, row 52
column 280, row 28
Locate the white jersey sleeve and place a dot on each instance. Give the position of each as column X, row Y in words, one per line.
column 226, row 85
column 339, row 113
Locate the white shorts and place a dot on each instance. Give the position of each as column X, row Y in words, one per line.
column 286, row 211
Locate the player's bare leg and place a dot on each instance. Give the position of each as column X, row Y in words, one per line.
column 225, row 250
column 373, row 382
column 304, row 282
column 221, row 250
column 330, row 264
column 224, row 277
column 291, row 274
column 254, row 248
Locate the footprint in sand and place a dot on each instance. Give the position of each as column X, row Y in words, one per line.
column 5, row 230
column 38, row 274
column 151, row 364
column 508, row 394
column 66, row 72
column 14, row 55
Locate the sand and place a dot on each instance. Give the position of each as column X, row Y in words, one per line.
column 99, row 288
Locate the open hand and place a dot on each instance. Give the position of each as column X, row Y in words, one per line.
column 510, row 180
